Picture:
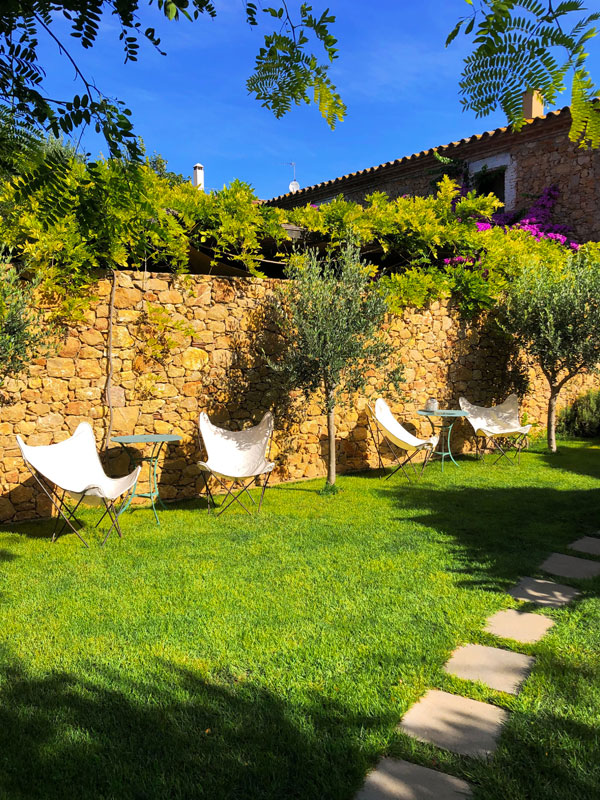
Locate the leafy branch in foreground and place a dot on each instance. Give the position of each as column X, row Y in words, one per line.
column 535, row 45
column 284, row 73
column 285, row 70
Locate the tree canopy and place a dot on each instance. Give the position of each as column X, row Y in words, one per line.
column 517, row 45
column 286, row 71
column 553, row 314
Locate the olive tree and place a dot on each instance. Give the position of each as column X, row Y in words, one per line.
column 330, row 315
column 554, row 314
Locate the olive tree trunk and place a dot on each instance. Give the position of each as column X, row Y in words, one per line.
column 551, row 432
column 329, row 392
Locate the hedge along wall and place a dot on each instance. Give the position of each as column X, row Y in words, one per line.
column 218, row 328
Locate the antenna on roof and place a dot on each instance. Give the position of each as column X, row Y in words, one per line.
column 294, row 185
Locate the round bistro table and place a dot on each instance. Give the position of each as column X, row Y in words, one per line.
column 157, row 441
column 444, row 427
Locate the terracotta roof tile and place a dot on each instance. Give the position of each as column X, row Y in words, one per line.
column 405, row 159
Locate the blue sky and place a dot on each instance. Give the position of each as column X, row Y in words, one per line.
column 396, row 77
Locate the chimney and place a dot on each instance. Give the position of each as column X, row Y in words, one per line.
column 533, row 105
column 198, row 177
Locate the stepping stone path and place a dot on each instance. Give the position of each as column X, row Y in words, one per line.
column 587, row 544
column 469, row 727
column 400, row 780
column 455, row 723
column 519, row 625
column 499, row 669
column 543, row 593
column 570, row 566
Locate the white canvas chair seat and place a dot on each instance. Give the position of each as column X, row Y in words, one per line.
column 497, row 422
column 397, row 437
column 73, row 467
column 239, row 457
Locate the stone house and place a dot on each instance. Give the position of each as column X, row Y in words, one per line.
column 517, row 167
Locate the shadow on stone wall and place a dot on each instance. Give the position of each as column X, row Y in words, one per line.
column 485, row 366
column 251, row 387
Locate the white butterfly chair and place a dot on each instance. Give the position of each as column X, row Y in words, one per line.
column 496, row 425
column 385, row 427
column 73, row 468
column 237, row 457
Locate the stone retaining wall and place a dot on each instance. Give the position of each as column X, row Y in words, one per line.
column 217, row 329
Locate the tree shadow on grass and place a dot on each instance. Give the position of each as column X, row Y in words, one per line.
column 549, row 747
column 584, row 459
column 499, row 534
column 173, row 734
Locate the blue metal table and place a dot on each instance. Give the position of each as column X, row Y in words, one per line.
column 444, row 428
column 157, row 441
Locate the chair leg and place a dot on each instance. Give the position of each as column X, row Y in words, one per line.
column 407, row 461
column 110, row 509
column 504, row 451
column 231, row 497
column 58, row 504
column 480, row 444
column 71, row 512
column 209, row 496
column 235, row 498
column 262, row 494
column 428, row 452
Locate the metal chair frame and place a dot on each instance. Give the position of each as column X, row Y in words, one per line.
column 210, row 498
column 520, row 442
column 229, row 492
column 396, row 453
column 63, row 509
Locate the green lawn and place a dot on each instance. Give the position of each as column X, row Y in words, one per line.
column 273, row 657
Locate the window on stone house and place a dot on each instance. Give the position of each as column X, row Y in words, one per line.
column 490, row 180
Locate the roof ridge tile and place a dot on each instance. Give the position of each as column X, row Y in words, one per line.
column 403, row 159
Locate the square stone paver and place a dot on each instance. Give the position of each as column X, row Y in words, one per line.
column 587, row 544
column 570, row 566
column 394, row 779
column 543, row 593
column 499, row 669
column 455, row 723
column 518, row 625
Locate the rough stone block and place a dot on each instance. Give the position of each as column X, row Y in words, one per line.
column 7, row 510
column 70, row 347
column 170, row 297
column 92, row 337
column 127, row 298
column 60, row 368
column 125, row 420
column 89, row 369
column 194, row 358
